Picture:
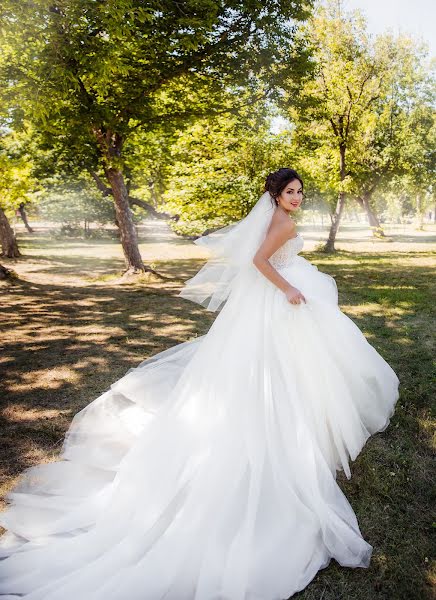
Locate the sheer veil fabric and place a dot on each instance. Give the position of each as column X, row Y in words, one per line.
column 232, row 249
column 208, row 472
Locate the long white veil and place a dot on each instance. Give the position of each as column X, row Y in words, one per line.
column 232, row 248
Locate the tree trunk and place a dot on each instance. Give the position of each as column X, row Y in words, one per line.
column 106, row 191
column 129, row 239
column 336, row 216
column 419, row 213
column 23, row 215
column 7, row 238
column 110, row 144
column 4, row 272
column 374, row 223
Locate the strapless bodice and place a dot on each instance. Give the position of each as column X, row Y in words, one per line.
column 284, row 255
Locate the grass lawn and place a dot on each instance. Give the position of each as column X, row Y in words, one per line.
column 69, row 330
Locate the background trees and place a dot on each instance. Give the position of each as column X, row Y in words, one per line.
column 167, row 108
column 16, row 185
column 218, row 168
column 89, row 73
column 397, row 152
column 353, row 115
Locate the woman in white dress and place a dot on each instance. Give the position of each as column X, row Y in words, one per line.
column 208, row 472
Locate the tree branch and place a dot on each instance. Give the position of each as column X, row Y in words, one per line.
column 149, row 208
column 194, row 58
column 107, row 191
column 335, row 129
column 184, row 114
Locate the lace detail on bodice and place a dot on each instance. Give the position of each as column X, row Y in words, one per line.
column 284, row 255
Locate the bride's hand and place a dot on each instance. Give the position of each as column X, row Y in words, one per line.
column 294, row 296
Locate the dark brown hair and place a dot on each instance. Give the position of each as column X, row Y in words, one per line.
column 276, row 181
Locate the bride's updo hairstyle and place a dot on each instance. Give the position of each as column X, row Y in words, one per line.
column 276, row 182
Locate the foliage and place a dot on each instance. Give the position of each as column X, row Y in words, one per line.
column 88, row 73
column 219, row 168
column 181, row 99
column 84, row 70
column 372, row 99
column 398, row 139
column 17, row 181
column 75, row 206
column 330, row 106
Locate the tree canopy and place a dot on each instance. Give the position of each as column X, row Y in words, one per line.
column 167, row 107
column 89, row 73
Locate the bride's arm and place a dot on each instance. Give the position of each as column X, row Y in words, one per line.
column 277, row 235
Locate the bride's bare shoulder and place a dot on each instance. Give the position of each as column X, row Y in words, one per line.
column 281, row 223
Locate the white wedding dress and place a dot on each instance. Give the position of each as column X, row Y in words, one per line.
column 209, row 471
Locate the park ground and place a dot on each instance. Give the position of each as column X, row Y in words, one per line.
column 70, row 327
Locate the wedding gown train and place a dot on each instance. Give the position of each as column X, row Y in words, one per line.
column 208, row 472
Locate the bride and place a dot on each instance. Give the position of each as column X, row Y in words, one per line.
column 208, row 472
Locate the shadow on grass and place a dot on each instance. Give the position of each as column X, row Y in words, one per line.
column 75, row 265
column 63, row 346
column 89, row 265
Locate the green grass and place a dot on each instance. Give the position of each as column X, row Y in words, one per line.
column 64, row 344
column 391, row 297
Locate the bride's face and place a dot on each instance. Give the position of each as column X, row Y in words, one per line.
column 292, row 196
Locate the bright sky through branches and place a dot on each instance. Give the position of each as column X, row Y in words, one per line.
column 417, row 17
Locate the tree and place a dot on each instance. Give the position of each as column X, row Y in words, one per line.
column 89, row 73
column 396, row 138
column 219, row 166
column 16, row 183
column 23, row 215
column 75, row 206
column 330, row 108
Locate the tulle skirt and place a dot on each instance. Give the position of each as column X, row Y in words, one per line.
column 208, row 472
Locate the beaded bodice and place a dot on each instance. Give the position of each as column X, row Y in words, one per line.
column 284, row 255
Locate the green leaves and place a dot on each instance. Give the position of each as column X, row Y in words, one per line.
column 75, row 205
column 354, row 111
column 219, row 166
column 17, row 181
column 86, row 71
